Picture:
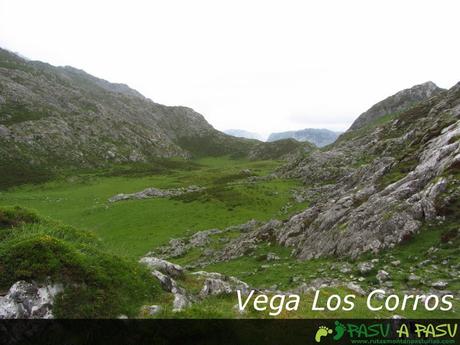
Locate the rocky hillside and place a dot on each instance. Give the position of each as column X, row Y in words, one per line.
column 316, row 136
column 61, row 116
column 396, row 103
column 375, row 188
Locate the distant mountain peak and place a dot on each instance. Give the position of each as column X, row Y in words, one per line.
column 317, row 136
column 241, row 133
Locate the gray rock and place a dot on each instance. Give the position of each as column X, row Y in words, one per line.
column 180, row 302
column 215, row 287
column 155, row 193
column 365, row 267
column 413, row 277
column 382, row 276
column 440, row 284
column 217, row 283
column 29, row 301
column 272, row 257
column 356, row 288
column 151, row 310
column 164, row 266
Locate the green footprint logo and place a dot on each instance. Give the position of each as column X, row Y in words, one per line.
column 322, row 332
column 339, row 330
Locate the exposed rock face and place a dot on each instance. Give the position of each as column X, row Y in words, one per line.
column 398, row 102
column 316, row 136
column 373, row 189
column 155, row 193
column 29, row 301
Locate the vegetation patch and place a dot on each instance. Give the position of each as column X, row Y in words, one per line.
column 96, row 283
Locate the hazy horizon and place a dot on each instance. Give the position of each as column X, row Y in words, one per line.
column 261, row 66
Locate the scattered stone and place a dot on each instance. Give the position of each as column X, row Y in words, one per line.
column 272, row 257
column 163, row 266
column 365, row 267
column 155, row 193
column 151, row 310
column 216, row 283
column 413, row 277
column 180, row 302
column 423, row 263
column 440, row 284
column 382, row 276
column 346, row 268
column 356, row 288
column 215, row 287
column 396, row 263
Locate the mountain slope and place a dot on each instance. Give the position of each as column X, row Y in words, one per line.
column 374, row 188
column 53, row 117
column 396, row 103
column 319, row 137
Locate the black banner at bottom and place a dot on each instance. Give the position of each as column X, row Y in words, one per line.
column 235, row 332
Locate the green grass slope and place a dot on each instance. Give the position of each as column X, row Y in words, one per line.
column 97, row 284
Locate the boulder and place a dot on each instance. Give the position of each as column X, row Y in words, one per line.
column 356, row 288
column 215, row 287
column 161, row 265
column 29, row 301
column 440, row 284
column 382, row 276
column 365, row 267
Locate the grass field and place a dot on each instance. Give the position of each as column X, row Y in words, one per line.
column 232, row 196
column 134, row 227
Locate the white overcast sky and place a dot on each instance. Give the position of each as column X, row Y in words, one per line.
column 262, row 66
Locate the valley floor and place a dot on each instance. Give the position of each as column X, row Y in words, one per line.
column 235, row 192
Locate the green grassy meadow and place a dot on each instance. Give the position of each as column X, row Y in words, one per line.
column 134, row 227
column 114, row 235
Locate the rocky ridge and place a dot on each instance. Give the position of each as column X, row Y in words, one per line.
column 397, row 102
